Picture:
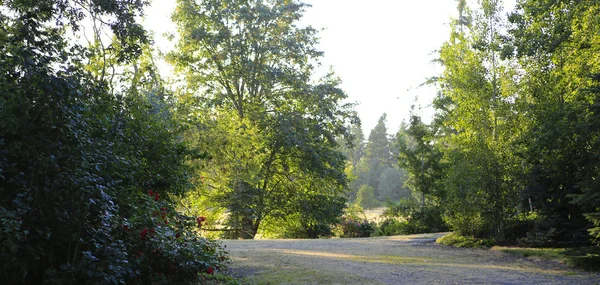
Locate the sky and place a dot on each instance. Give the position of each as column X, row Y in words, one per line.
column 381, row 49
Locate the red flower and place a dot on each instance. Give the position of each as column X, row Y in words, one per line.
column 150, row 193
column 210, row 270
column 156, row 197
column 144, row 233
column 177, row 235
column 200, row 220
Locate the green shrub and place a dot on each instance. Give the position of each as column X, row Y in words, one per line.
column 354, row 223
column 353, row 228
column 455, row 239
column 390, row 227
column 416, row 219
column 294, row 226
column 76, row 162
column 365, row 197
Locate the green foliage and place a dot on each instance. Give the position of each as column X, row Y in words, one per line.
column 589, row 199
column 391, row 185
column 516, row 129
column 373, row 164
column 355, row 228
column 391, row 227
column 77, row 158
column 559, row 146
column 421, row 159
column 365, row 197
column 457, row 240
column 408, row 217
column 294, row 226
column 479, row 126
column 270, row 129
column 354, row 224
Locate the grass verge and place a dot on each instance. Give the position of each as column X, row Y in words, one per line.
column 586, row 258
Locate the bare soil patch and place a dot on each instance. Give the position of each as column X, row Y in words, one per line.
column 414, row 259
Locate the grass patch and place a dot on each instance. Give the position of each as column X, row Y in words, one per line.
column 586, row 258
column 457, row 240
column 300, row 275
column 557, row 254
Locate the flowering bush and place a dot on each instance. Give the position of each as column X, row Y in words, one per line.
column 352, row 227
column 76, row 152
column 165, row 247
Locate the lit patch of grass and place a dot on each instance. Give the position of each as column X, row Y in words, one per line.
column 391, row 259
column 457, row 240
column 414, row 261
column 300, row 275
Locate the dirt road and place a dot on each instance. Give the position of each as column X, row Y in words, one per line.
column 389, row 260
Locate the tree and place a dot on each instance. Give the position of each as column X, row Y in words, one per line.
column 555, row 44
column 376, row 159
column 588, row 199
column 391, row 185
column 365, row 197
column 248, row 66
column 478, row 123
column 355, row 149
column 421, row 159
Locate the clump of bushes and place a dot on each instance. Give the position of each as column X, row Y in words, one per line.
column 391, row 227
column 354, row 224
column 408, row 217
column 76, row 166
column 163, row 246
column 352, row 228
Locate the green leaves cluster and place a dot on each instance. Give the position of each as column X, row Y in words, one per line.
column 515, row 129
column 78, row 155
column 270, row 129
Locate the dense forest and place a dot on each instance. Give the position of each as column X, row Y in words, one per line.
column 512, row 153
column 112, row 174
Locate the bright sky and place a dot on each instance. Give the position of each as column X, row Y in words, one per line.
column 381, row 49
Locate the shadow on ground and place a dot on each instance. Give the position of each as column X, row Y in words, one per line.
column 412, row 259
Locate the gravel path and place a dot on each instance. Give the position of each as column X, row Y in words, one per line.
column 388, row 260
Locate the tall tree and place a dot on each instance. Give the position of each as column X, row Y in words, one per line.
column 355, row 149
column 421, row 158
column 589, row 126
column 556, row 45
column 248, row 68
column 391, row 185
column 376, row 159
column 477, row 122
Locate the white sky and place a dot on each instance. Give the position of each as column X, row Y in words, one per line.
column 381, row 49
